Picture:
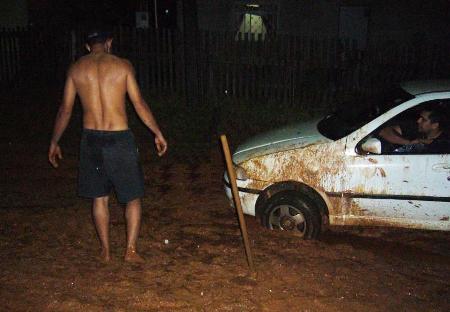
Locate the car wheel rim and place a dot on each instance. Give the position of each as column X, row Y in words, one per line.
column 288, row 218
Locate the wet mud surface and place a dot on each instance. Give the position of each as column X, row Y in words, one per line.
column 195, row 258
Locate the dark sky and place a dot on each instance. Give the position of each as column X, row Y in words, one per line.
column 68, row 13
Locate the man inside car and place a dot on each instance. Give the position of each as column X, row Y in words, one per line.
column 431, row 137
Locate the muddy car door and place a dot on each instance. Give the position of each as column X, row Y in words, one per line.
column 404, row 190
column 397, row 185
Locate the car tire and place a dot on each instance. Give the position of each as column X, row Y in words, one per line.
column 291, row 211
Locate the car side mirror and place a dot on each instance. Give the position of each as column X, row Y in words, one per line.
column 372, row 145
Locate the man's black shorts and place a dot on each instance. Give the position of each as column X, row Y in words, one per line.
column 109, row 159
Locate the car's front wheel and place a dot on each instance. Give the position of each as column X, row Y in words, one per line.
column 291, row 211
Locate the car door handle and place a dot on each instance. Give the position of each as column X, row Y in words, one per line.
column 441, row 167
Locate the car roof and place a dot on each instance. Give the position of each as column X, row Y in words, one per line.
column 417, row 87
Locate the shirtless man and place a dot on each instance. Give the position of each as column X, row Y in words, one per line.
column 108, row 154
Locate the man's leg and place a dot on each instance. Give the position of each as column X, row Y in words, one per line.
column 100, row 212
column 133, row 217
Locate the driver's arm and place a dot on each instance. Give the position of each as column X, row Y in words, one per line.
column 393, row 134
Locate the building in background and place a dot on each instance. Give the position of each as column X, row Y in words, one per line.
column 358, row 20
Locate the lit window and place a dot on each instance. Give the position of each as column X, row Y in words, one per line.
column 252, row 24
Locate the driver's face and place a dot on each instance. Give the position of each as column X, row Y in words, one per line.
column 424, row 123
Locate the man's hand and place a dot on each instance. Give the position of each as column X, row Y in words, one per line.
column 426, row 141
column 54, row 152
column 161, row 144
column 421, row 141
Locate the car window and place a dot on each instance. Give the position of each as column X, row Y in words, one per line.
column 424, row 138
column 355, row 114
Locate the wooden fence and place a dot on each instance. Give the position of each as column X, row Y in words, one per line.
column 282, row 68
column 31, row 57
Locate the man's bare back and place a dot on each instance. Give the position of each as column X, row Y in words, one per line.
column 100, row 79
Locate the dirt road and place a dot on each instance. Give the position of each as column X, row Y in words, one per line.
column 195, row 256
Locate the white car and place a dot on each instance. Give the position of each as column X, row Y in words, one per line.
column 335, row 170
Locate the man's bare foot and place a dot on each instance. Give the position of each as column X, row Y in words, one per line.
column 133, row 257
column 105, row 257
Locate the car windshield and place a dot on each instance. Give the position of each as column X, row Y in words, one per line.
column 354, row 114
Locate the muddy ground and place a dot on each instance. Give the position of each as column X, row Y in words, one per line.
column 192, row 244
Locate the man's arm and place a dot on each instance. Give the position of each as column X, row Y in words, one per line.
column 143, row 111
column 393, row 134
column 62, row 120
